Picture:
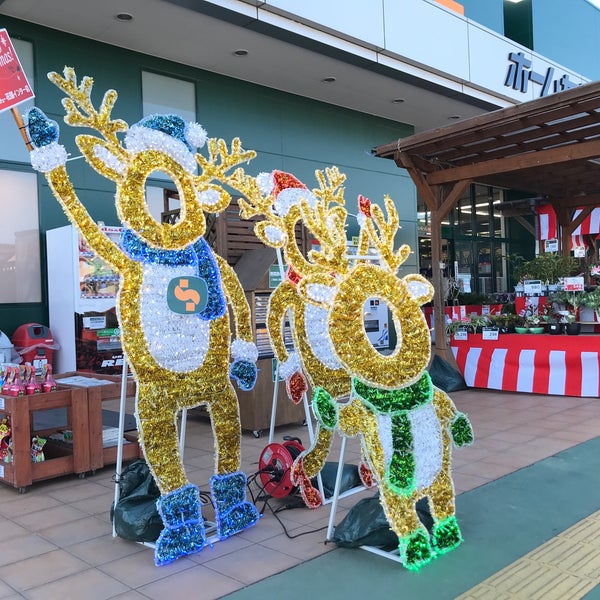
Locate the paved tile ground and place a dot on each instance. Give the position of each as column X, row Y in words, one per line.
column 57, row 537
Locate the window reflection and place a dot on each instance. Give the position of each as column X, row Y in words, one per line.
column 20, row 274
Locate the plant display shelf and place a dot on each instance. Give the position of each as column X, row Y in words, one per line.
column 60, row 458
column 100, row 455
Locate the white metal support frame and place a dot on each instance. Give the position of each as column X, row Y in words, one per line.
column 119, row 463
column 311, row 434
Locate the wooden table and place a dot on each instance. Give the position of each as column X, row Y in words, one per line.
column 60, row 458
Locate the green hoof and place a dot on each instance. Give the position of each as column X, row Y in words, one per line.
column 415, row 550
column 446, row 535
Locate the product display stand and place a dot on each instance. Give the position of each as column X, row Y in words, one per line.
column 61, row 458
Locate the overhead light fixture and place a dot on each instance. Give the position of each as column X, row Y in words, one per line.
column 454, row 117
column 514, row 1
column 398, row 100
column 124, row 17
column 240, row 52
column 328, row 80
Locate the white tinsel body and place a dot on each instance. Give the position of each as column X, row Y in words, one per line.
column 176, row 341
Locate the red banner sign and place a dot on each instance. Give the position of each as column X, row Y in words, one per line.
column 14, row 87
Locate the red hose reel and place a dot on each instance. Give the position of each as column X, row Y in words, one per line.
column 275, row 465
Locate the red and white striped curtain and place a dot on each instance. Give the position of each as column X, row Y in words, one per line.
column 590, row 225
column 547, row 223
column 548, row 229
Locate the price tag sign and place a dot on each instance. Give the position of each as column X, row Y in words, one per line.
column 573, row 284
column 461, row 334
column 532, row 286
column 489, row 333
column 551, row 246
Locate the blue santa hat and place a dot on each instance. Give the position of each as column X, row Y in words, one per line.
column 170, row 134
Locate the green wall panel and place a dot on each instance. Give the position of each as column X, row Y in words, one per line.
column 287, row 131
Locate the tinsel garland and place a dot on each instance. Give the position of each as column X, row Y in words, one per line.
column 394, row 401
column 462, row 432
column 325, row 408
column 232, row 511
column 178, row 360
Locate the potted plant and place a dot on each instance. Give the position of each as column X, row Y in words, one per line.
column 459, row 325
column 500, row 322
column 478, row 322
column 548, row 268
column 592, row 300
column 553, row 320
column 521, row 324
column 534, row 324
column 572, row 327
column 571, row 300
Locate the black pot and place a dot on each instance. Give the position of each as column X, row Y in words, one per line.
column 555, row 328
column 573, row 328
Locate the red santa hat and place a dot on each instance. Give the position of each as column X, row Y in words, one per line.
column 286, row 190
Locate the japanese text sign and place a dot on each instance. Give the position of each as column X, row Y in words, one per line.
column 573, row 284
column 14, row 87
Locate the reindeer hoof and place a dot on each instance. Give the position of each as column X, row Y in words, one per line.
column 415, row 550
column 174, row 543
column 184, row 527
column 446, row 535
column 232, row 511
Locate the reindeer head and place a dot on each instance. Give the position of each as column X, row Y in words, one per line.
column 157, row 143
column 341, row 283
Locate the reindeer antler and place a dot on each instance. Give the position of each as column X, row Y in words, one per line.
column 220, row 160
column 80, row 109
column 378, row 231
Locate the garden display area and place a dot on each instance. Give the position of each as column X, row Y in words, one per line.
column 544, row 343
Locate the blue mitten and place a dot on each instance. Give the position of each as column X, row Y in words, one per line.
column 244, row 372
column 47, row 153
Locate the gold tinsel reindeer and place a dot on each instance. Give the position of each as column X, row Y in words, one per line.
column 173, row 296
column 405, row 424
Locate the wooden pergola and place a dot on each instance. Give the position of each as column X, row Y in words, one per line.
column 548, row 148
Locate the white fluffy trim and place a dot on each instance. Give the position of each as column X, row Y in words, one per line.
column 47, row 158
column 265, row 183
column 291, row 196
column 141, row 138
column 241, row 349
column 288, row 367
column 320, row 292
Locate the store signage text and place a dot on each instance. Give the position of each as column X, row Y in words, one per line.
column 14, row 87
column 520, row 74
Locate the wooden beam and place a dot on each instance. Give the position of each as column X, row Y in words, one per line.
column 423, row 188
column 453, row 197
column 439, row 314
column 516, row 163
column 575, row 223
column 512, row 117
column 525, row 224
